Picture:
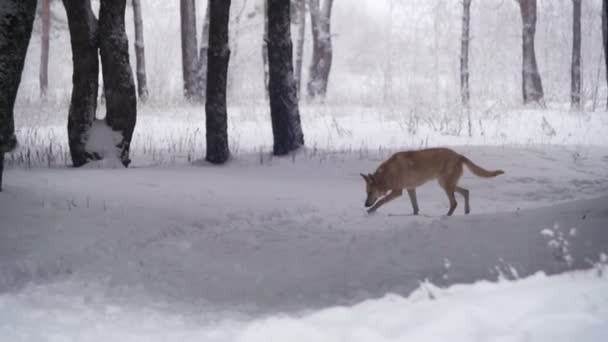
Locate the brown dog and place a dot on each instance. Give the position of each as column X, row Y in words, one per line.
column 410, row 169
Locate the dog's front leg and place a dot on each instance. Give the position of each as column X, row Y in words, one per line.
column 394, row 194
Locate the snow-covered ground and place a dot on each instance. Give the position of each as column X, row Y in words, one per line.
column 270, row 248
column 568, row 307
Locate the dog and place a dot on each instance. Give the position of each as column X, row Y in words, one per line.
column 410, row 169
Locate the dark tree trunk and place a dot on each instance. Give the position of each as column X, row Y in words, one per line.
column 464, row 62
column 575, row 72
column 320, row 66
column 119, row 87
column 301, row 12
column 189, row 50
column 605, row 38
column 140, row 56
column 217, row 72
column 532, row 87
column 265, row 50
column 286, row 127
column 202, row 57
column 44, row 47
column 16, row 20
column 83, row 28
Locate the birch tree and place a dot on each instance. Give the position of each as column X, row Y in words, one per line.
column 140, row 56
column 575, row 70
column 322, row 53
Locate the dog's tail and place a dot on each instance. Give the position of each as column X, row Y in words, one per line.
column 479, row 171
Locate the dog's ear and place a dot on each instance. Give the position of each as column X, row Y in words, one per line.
column 364, row 177
column 371, row 178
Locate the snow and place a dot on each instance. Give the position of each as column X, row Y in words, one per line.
column 566, row 307
column 103, row 141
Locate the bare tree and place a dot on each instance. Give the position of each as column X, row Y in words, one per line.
column 189, row 50
column 44, row 47
column 301, row 19
column 83, row 28
column 16, row 21
column 119, row 87
column 322, row 55
column 605, row 38
column 575, row 72
column 284, row 111
column 218, row 57
column 532, row 87
column 464, row 60
column 265, row 49
column 202, row 59
column 140, row 56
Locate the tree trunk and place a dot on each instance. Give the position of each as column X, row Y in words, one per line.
column 140, row 56
column 532, row 87
column 265, row 50
column 119, row 87
column 464, row 62
column 301, row 11
column 189, row 50
column 202, row 57
column 320, row 66
column 575, row 72
column 83, row 28
column 16, row 21
column 605, row 38
column 218, row 56
column 284, row 112
column 44, row 47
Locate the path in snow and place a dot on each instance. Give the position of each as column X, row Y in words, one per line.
column 291, row 236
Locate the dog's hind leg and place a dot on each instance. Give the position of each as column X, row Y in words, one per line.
column 465, row 193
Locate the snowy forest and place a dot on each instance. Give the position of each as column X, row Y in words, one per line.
column 303, row 170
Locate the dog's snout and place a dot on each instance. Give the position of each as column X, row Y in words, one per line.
column 367, row 204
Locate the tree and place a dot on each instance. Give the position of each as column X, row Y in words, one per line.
column 532, row 87
column 44, row 47
column 140, row 57
column 301, row 15
column 464, row 60
column 192, row 90
column 108, row 37
column 605, row 38
column 284, row 111
column 575, row 71
column 217, row 72
column 119, row 86
column 16, row 22
column 265, row 50
column 320, row 65
column 202, row 65
column 83, row 27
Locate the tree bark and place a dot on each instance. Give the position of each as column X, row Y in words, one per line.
column 301, row 11
column 44, row 48
column 284, row 111
column 464, row 62
column 16, row 21
column 189, row 50
column 83, row 27
column 575, row 72
column 218, row 57
column 202, row 57
column 119, row 87
column 265, row 50
column 605, row 39
column 140, row 56
column 532, row 87
column 322, row 55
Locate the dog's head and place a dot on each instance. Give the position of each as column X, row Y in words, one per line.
column 372, row 189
